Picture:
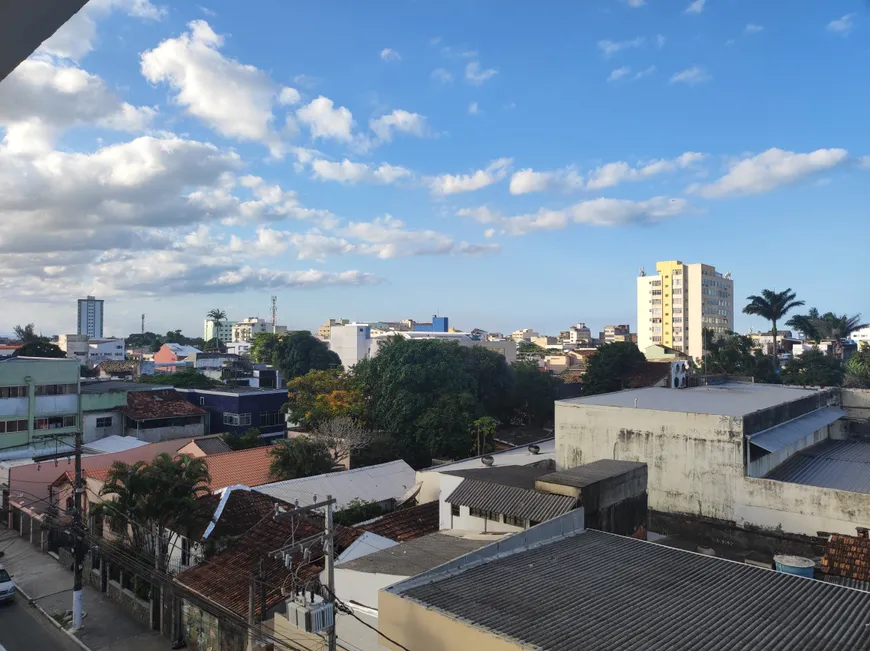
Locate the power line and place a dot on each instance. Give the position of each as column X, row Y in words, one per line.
column 349, row 611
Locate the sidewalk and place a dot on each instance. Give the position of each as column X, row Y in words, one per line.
column 105, row 628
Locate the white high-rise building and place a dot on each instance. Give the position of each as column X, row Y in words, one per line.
column 223, row 331
column 245, row 329
column 91, row 317
column 675, row 305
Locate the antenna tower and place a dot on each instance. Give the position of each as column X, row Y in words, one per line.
column 274, row 314
column 143, row 323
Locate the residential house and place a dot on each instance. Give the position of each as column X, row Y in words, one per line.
column 662, row 353
column 103, row 402
column 216, row 366
column 236, row 409
column 560, row 586
column 751, row 458
column 205, row 445
column 162, row 414
column 106, row 349
column 405, row 523
column 386, row 484
column 128, row 369
column 174, row 357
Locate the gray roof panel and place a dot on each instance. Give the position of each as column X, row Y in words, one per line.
column 590, row 473
column 510, row 500
column 600, row 592
column 783, row 435
column 519, row 476
column 415, row 556
column 841, row 465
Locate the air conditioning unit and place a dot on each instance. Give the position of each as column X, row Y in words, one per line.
column 311, row 618
column 679, row 375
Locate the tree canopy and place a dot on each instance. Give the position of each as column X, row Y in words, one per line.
column 295, row 353
column 732, row 354
column 608, row 365
column 773, row 306
column 299, row 457
column 858, row 368
column 27, row 334
column 319, row 396
column 187, row 378
column 36, row 348
column 154, row 341
column 813, row 368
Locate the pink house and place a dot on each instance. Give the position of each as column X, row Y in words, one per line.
column 170, row 353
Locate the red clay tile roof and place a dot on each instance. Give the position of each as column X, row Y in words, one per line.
column 242, row 511
column 225, row 578
column 246, row 467
column 847, row 556
column 646, row 374
column 406, row 524
column 163, row 403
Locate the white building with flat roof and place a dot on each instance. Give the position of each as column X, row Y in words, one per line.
column 90, row 317
column 222, row 330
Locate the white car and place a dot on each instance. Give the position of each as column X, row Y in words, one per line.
column 7, row 588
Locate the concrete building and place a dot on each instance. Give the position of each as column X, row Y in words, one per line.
column 223, row 330
column 439, row 324
column 103, row 404
column 75, row 347
column 523, row 334
column 579, row 334
column 90, row 317
column 679, row 301
column 351, row 342
column 760, row 461
column 325, row 331
column 861, row 336
column 562, row 587
column 614, row 333
column 175, row 357
column 39, row 398
column 162, row 415
column 100, row 350
column 245, row 329
column 237, row 409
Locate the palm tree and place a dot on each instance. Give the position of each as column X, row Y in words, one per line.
column 126, row 488
column 216, row 316
column 838, row 328
column 772, row 305
column 806, row 324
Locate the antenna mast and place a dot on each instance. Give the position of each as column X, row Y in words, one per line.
column 274, row 314
column 143, row 323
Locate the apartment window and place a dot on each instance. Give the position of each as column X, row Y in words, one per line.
column 55, row 389
column 270, row 418
column 656, row 292
column 515, row 521
column 656, row 301
column 12, row 426
column 236, row 419
column 201, row 401
column 13, row 392
column 54, row 422
column 454, row 510
column 104, row 422
column 482, row 513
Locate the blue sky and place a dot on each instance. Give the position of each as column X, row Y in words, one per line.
column 505, row 164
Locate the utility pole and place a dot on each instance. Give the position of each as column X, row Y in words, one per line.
column 330, row 570
column 78, row 530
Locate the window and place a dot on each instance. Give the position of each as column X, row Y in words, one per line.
column 12, row 426
column 515, row 521
column 481, row 513
column 54, row 422
column 13, row 392
column 104, row 422
column 270, row 418
column 454, row 510
column 201, row 401
column 236, row 419
column 55, row 389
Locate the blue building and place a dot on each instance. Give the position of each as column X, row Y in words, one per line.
column 238, row 409
column 439, row 324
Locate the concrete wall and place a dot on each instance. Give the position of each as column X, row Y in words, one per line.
column 362, row 587
column 93, row 433
column 694, row 461
column 856, row 402
column 168, row 433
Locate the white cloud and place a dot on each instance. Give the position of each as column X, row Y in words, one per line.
column 350, row 172
column 528, row 180
column 453, row 184
column 476, row 75
column 696, row 7
column 326, row 121
column 43, row 97
column 466, row 248
column 618, row 172
column 864, row 162
column 691, row 76
column 619, row 73
column 842, row 25
column 399, row 121
column 771, row 169
column 645, row 72
column 269, row 243
column 752, row 28
column 609, row 48
column 660, row 41
column 390, row 55
column 78, row 36
column 473, row 108
column 635, row 3
column 233, row 98
column 289, row 96
column 442, row 76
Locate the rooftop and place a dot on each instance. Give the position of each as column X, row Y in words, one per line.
column 525, row 503
column 415, row 556
column 161, row 403
column 519, row 456
column 372, row 483
column 847, row 557
column 113, row 444
column 111, row 386
column 590, row 473
column 841, row 465
column 212, row 444
column 405, row 524
column 518, row 476
column 180, row 350
column 236, row 390
column 595, row 591
column 729, row 399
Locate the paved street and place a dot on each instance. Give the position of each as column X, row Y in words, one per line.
column 23, row 628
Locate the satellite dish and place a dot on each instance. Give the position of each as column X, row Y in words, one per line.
column 409, row 494
column 487, row 460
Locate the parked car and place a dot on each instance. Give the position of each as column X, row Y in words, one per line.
column 7, row 588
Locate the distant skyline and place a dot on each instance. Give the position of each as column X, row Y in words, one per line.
column 506, row 165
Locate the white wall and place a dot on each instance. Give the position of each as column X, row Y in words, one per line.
column 65, row 404
column 351, row 342
column 89, row 422
column 465, row 521
column 644, row 329
column 362, row 587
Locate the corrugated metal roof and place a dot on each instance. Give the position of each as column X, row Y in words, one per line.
column 778, row 437
column 842, row 465
column 590, row 473
column 415, row 556
column 519, row 476
column 510, row 500
column 370, row 484
column 601, row 592
column 855, row 584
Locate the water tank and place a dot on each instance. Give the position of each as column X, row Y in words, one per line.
column 797, row 565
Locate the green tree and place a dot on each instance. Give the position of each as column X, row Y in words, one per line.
column 858, row 368
column 295, row 353
column 806, row 324
column 838, row 328
column 216, row 316
column 250, row 439
column 27, row 334
column 483, row 430
column 813, row 368
column 357, row 511
column 534, row 395
column 529, row 349
column 731, row 354
column 38, row 349
column 773, row 306
column 608, row 365
column 319, row 396
column 186, row 378
column 299, row 457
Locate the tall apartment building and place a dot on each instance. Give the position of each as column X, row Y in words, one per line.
column 679, row 301
column 325, row 330
column 91, row 317
column 245, row 329
column 223, row 330
column 614, row 333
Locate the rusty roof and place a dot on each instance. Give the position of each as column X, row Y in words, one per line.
column 405, row 524
column 847, row 557
column 162, row 403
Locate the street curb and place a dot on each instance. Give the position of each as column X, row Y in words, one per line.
column 31, row 602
